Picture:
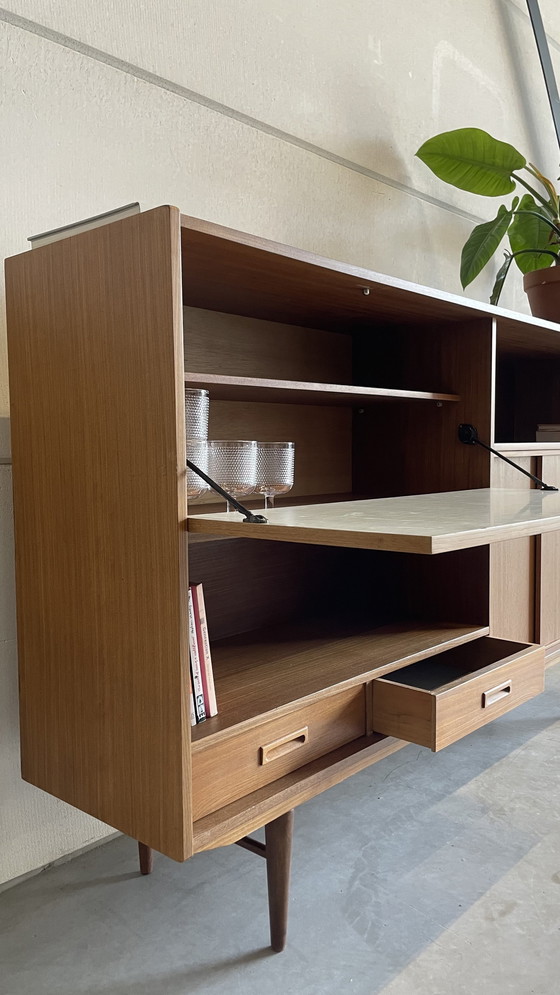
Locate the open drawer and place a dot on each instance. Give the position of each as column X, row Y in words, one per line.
column 439, row 700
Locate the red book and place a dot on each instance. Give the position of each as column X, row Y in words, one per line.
column 204, row 654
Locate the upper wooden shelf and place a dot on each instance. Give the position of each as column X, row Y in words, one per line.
column 226, row 388
column 237, row 273
column 424, row 523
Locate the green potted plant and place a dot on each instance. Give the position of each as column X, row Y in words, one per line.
column 473, row 160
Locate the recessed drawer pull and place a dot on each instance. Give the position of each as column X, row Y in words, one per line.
column 279, row 747
column 496, row 694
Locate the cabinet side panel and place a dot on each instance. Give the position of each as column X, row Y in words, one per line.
column 548, row 565
column 95, row 352
column 512, row 566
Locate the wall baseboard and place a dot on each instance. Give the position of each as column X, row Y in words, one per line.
column 13, row 882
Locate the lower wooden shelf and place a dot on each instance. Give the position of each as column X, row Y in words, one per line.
column 246, row 814
column 452, row 681
column 267, row 671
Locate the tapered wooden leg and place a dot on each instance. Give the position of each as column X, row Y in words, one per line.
column 278, row 836
column 146, row 855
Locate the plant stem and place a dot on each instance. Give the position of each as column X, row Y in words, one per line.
column 535, row 193
column 538, row 252
column 547, row 184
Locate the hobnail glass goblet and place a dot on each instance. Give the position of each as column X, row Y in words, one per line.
column 232, row 463
column 275, row 470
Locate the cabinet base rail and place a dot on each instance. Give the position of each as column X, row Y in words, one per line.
column 277, row 851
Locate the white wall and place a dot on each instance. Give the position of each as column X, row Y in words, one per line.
column 293, row 119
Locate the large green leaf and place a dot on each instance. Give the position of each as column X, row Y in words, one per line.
column 482, row 244
column 472, row 160
column 531, row 232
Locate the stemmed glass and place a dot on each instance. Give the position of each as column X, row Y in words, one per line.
column 275, row 470
column 233, row 465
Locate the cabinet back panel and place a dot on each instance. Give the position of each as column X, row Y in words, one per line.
column 451, row 587
column 527, row 394
column 413, row 448
column 249, row 585
column 323, row 438
column 233, row 345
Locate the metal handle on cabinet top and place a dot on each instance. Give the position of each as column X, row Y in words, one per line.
column 496, row 694
column 279, row 748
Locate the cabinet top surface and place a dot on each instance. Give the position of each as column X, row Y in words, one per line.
column 424, row 523
column 235, row 272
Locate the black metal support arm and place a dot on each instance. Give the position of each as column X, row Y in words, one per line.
column 469, row 435
column 249, row 517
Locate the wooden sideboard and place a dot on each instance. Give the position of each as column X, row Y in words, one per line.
column 407, row 590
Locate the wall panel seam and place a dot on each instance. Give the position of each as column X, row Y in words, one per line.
column 153, row 79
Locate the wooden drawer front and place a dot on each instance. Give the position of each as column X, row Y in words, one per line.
column 438, row 701
column 233, row 767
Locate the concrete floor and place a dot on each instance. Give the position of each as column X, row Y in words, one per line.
column 424, row 875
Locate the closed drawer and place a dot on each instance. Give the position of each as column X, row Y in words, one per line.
column 438, row 701
column 230, row 768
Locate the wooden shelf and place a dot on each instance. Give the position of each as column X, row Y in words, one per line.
column 418, row 523
column 267, row 670
column 226, row 388
column 527, row 448
column 265, row 279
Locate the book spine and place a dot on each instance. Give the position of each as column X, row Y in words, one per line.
column 198, row 692
column 191, row 699
column 204, row 650
column 193, row 590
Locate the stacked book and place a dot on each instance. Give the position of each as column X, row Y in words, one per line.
column 203, row 695
column 548, row 433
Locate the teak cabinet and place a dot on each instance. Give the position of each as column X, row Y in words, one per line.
column 339, row 635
